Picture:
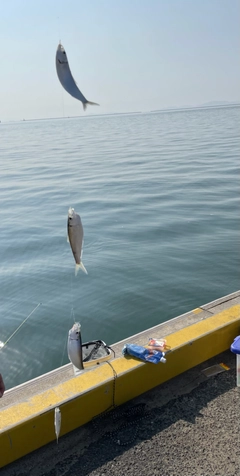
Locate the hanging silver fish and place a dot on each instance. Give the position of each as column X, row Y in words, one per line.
column 75, row 236
column 74, row 346
column 66, row 78
column 57, row 422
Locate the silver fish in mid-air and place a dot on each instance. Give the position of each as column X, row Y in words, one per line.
column 74, row 346
column 75, row 236
column 57, row 422
column 66, row 78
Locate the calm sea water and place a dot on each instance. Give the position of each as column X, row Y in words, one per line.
column 158, row 195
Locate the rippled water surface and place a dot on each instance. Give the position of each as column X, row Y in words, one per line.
column 158, row 195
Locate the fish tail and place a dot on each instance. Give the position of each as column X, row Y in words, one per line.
column 80, row 266
column 91, row 104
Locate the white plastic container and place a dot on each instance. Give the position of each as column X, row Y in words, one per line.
column 235, row 348
column 238, row 370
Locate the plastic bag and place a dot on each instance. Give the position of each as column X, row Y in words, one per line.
column 158, row 344
column 147, row 355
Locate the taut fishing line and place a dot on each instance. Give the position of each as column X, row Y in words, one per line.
column 72, row 315
column 3, row 344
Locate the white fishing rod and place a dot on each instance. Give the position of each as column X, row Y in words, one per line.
column 3, row 344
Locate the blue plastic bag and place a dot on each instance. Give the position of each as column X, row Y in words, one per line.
column 147, row 355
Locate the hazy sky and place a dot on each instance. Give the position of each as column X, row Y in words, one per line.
column 127, row 55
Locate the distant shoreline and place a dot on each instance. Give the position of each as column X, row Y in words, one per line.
column 187, row 108
column 173, row 109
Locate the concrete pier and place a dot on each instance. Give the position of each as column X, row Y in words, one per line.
column 195, row 338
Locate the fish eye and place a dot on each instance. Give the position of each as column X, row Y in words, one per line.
column 64, row 52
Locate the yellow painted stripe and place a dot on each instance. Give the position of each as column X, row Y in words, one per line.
column 29, row 425
column 38, row 430
column 55, row 396
column 207, row 325
column 188, row 334
column 189, row 347
column 197, row 310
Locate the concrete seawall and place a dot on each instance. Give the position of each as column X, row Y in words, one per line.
column 27, row 411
